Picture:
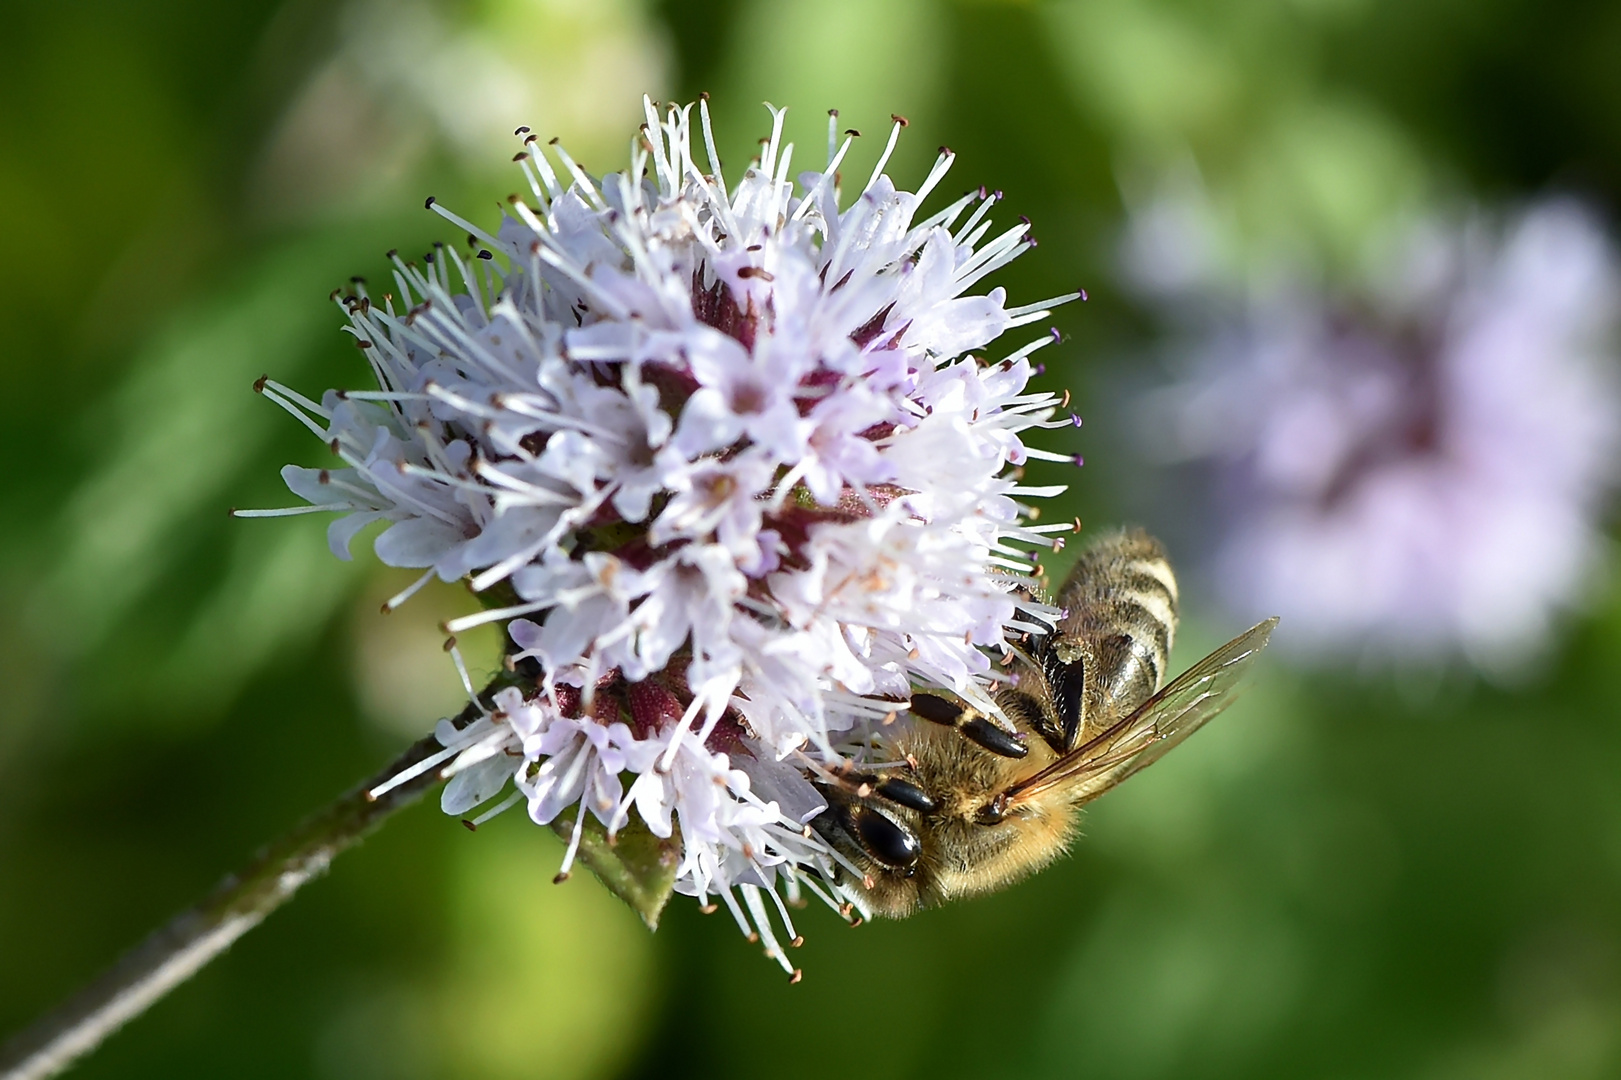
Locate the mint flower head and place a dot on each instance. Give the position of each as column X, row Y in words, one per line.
column 1414, row 466
column 734, row 468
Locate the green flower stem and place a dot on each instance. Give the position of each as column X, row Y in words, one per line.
column 238, row 904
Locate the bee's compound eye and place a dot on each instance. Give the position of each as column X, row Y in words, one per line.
column 889, row 843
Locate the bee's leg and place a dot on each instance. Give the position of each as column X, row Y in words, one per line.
column 976, row 728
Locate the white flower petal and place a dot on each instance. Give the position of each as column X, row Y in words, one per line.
column 416, row 542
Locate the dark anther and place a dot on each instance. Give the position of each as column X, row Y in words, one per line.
column 906, row 794
column 986, row 734
column 485, row 253
column 428, row 203
column 884, row 840
column 852, row 132
column 937, row 709
column 899, row 119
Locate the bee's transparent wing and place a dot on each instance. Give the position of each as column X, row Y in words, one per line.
column 1161, row 722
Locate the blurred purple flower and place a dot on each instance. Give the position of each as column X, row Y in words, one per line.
column 1413, row 467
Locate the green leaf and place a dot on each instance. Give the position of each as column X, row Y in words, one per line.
column 499, row 595
column 636, row 866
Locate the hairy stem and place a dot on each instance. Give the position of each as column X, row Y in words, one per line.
column 194, row 937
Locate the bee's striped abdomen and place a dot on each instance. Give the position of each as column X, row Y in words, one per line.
column 1111, row 651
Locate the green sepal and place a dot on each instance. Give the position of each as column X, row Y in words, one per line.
column 499, row 595
column 610, row 537
column 637, row 866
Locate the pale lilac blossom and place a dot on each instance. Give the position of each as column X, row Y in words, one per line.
column 1413, row 466
column 732, row 463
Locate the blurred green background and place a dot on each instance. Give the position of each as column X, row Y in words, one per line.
column 1351, row 875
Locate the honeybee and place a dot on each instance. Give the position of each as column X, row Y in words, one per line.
column 977, row 804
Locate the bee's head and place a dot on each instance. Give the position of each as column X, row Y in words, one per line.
column 880, row 841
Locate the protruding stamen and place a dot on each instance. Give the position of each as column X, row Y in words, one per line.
column 889, row 148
